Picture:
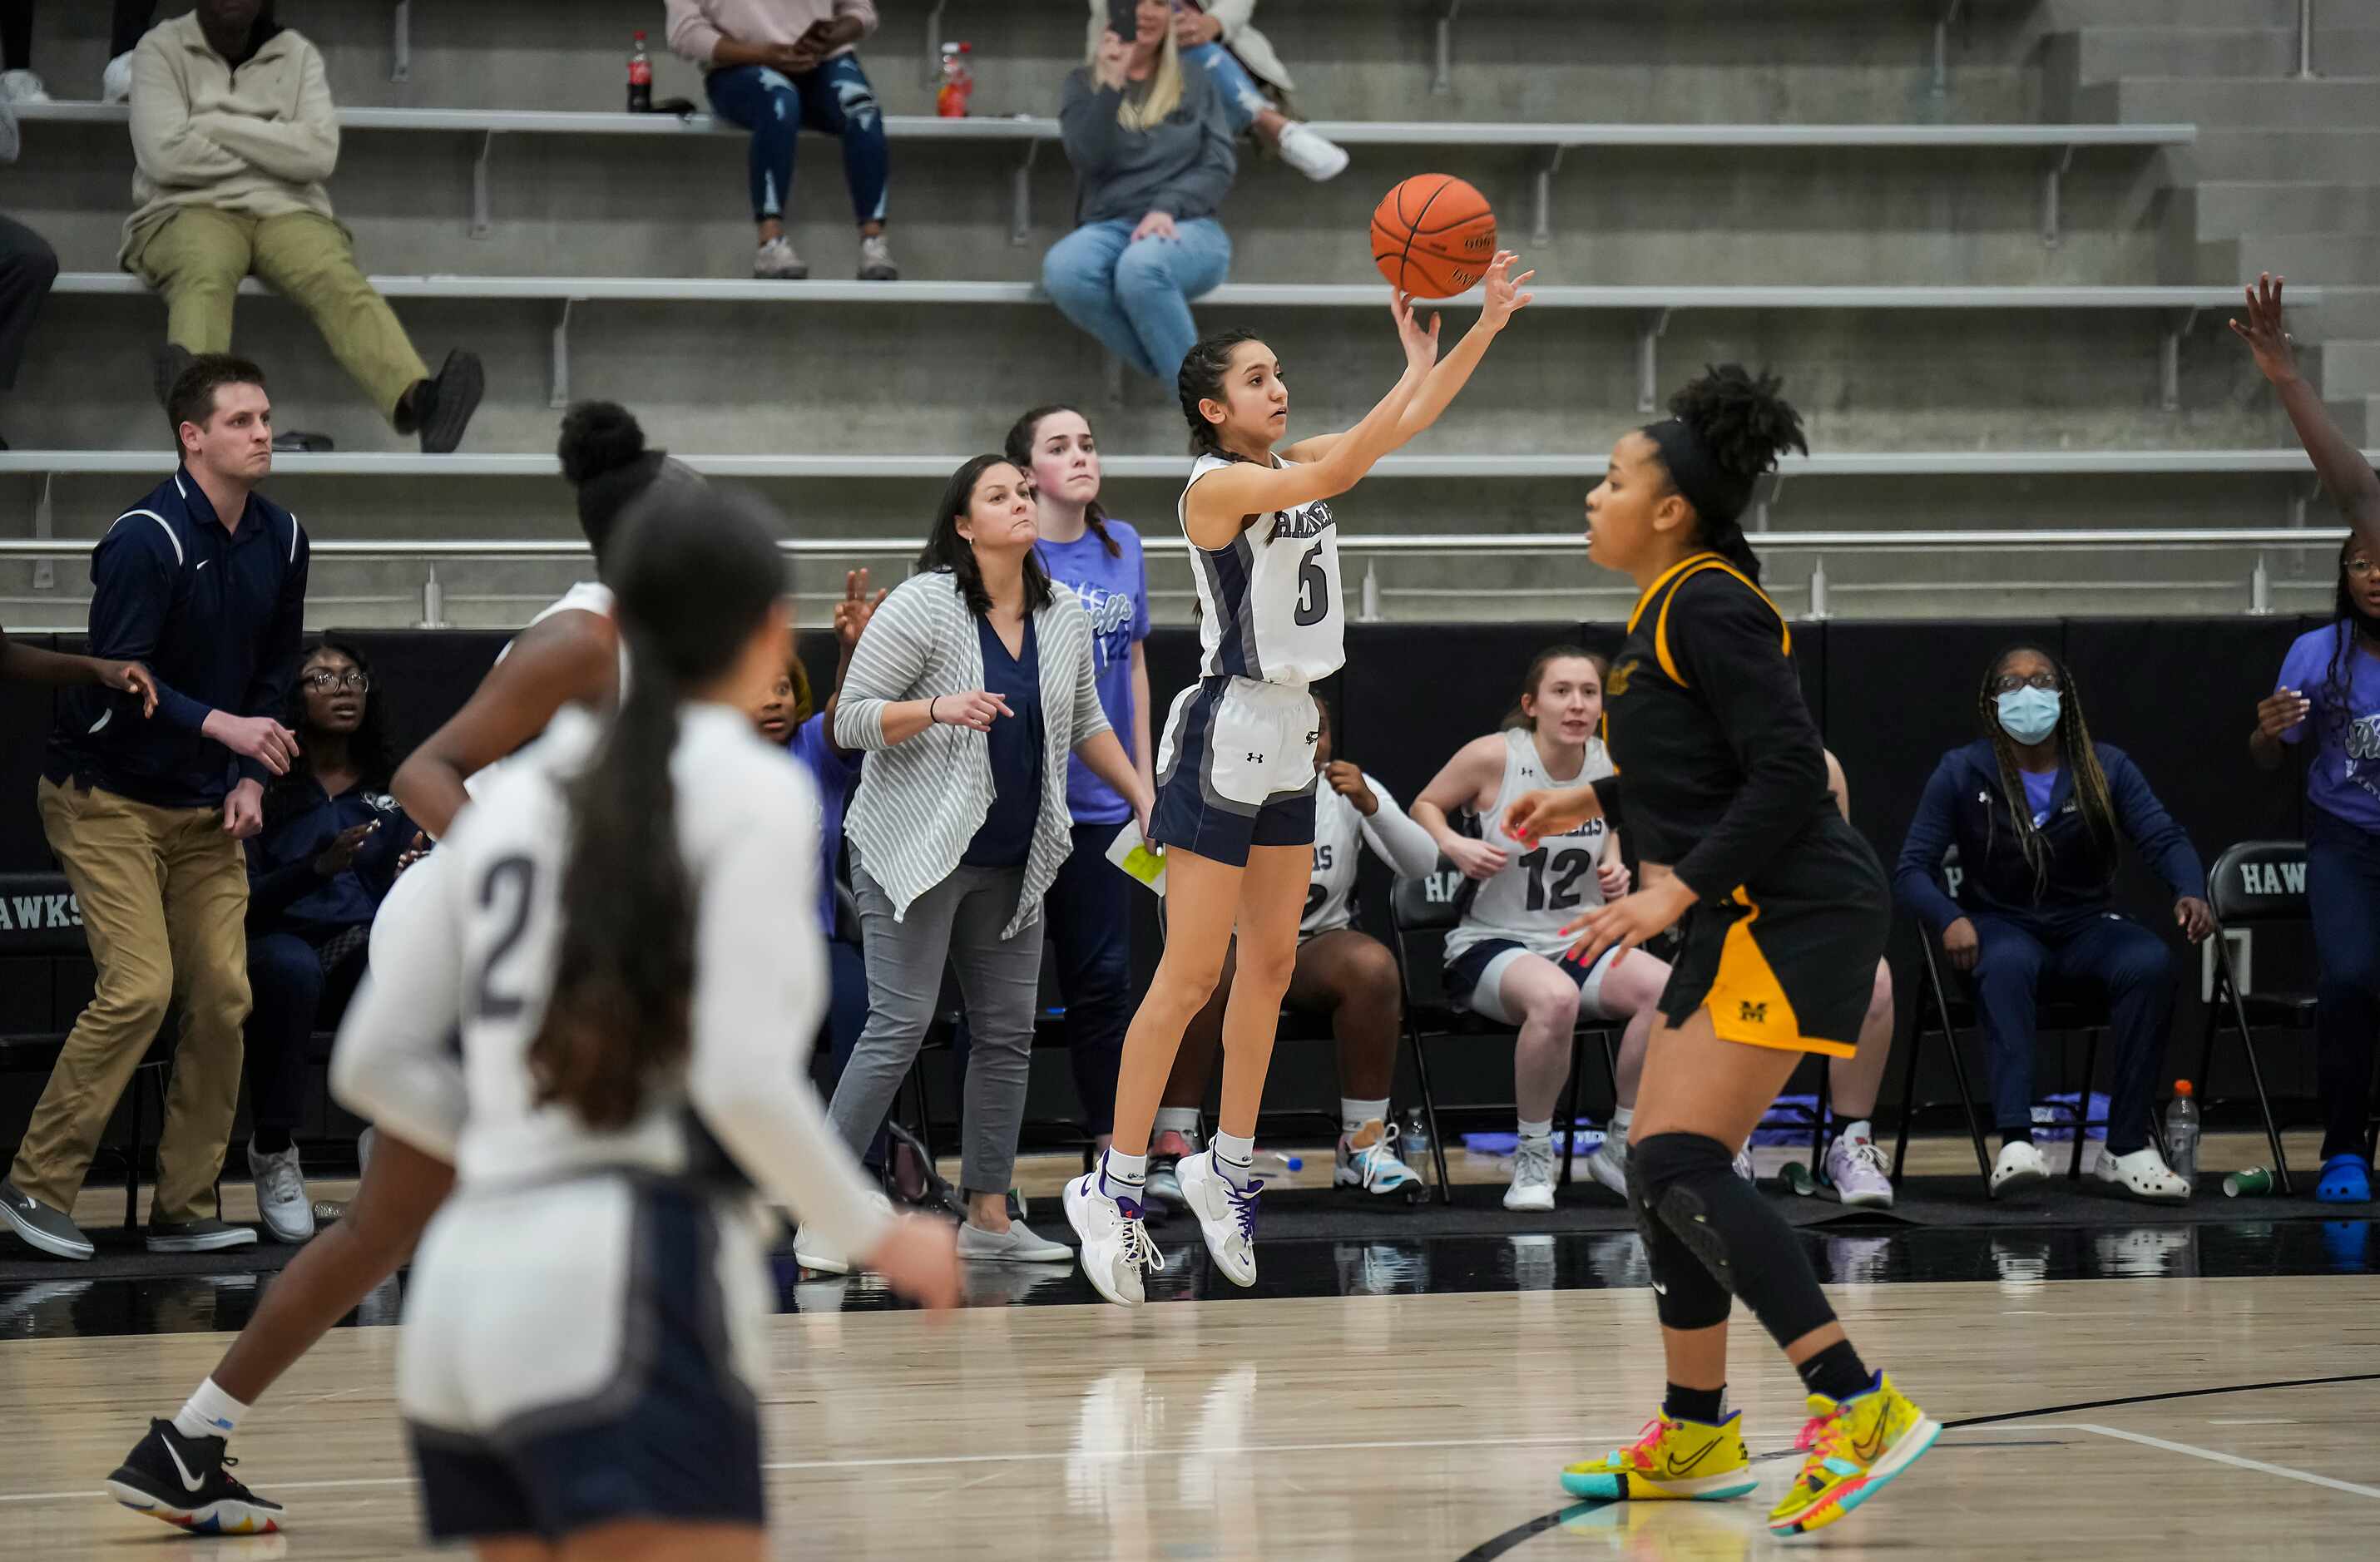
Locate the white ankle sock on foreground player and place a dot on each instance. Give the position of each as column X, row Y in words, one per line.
column 1122, row 1176
column 210, row 1413
column 1236, row 1157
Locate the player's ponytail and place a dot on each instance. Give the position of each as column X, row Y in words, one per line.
column 1724, row 431
column 698, row 571
column 1202, row 371
column 1019, row 448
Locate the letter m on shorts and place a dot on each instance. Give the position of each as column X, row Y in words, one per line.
column 1752, row 1013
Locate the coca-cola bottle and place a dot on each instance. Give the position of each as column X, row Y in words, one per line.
column 640, row 78
column 958, row 82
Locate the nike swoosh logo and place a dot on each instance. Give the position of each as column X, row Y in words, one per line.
column 1678, row 1467
column 190, row 1481
column 1873, row 1446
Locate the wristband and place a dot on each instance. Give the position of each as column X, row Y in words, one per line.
column 929, row 709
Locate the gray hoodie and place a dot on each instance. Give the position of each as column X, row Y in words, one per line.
column 1183, row 168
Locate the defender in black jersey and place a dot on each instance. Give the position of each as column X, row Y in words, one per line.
column 1723, row 781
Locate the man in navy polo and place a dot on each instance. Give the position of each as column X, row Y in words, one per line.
column 204, row 582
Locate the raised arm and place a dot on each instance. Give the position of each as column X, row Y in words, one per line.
column 570, row 656
column 1504, row 299
column 2345, row 475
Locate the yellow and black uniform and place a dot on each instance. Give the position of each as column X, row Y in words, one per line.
column 1721, row 776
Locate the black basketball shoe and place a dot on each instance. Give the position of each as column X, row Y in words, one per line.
column 182, row 1480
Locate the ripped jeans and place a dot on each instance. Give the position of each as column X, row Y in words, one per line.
column 834, row 100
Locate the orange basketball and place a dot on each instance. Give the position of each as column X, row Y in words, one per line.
column 1433, row 236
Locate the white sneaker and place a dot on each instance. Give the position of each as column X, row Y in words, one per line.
column 1018, row 1244
column 2145, row 1174
column 776, row 261
column 1533, row 1176
column 2019, row 1167
column 1227, row 1216
column 812, row 1251
column 1116, row 1248
column 1312, row 153
column 22, row 87
column 115, row 82
column 1367, row 1159
column 281, row 1195
column 1856, row 1169
column 1608, row 1165
column 876, row 260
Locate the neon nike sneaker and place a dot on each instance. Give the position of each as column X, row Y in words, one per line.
column 1675, row 1459
column 1855, row 1445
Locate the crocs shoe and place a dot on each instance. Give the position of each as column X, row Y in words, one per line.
column 2345, row 1180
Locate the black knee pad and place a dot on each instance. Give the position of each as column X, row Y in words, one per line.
column 1746, row 1246
column 1686, row 1295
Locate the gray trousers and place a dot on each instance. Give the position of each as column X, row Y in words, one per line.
column 957, row 921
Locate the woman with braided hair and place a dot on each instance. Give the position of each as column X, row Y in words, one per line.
column 2034, row 808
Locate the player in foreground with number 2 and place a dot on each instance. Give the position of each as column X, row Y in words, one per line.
column 1235, row 768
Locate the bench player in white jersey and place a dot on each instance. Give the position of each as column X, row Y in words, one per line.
column 571, row 653
column 1506, row 960
column 630, row 949
column 1236, row 768
column 1343, row 975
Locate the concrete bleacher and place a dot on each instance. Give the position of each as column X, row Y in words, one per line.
column 1962, row 270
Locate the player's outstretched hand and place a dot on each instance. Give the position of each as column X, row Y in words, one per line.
column 1535, row 815
column 1504, row 295
column 1420, row 341
column 919, row 1258
column 2266, row 333
column 1630, row 920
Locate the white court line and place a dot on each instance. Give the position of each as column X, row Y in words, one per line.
column 1234, row 1450
column 2232, row 1460
column 2258, row 1421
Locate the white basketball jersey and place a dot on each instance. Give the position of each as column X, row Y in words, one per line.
column 1338, row 836
column 1539, row 889
column 1269, row 605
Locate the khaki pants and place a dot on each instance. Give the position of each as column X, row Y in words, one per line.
column 198, row 258
column 165, row 906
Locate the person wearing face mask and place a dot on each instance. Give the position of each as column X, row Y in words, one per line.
column 2034, row 808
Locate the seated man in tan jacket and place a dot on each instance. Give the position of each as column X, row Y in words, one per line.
column 232, row 133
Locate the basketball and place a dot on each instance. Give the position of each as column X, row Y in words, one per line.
column 1433, row 236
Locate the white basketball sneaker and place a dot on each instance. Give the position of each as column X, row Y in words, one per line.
column 1115, row 1245
column 1857, row 1170
column 1533, row 1176
column 1227, row 1216
column 1608, row 1165
column 1367, row 1159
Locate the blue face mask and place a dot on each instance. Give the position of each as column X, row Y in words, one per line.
column 2029, row 714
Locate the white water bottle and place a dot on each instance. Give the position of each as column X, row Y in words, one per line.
column 2182, row 1133
column 1413, row 1145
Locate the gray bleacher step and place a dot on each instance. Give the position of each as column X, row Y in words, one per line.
column 2277, row 103
column 2228, row 207
column 2278, row 14
column 2320, row 156
column 2350, row 369
column 2104, row 54
column 2325, row 258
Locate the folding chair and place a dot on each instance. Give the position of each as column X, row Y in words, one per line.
column 1421, row 913
column 2256, row 884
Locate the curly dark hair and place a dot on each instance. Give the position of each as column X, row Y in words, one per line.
column 1742, row 425
column 368, row 747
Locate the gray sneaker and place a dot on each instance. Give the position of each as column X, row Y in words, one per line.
column 876, row 260
column 41, row 1226
column 1016, row 1245
column 204, row 1235
column 281, row 1195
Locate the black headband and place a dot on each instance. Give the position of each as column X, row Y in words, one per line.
column 1717, row 496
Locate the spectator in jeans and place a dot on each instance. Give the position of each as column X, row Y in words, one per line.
column 27, row 267
column 774, row 67
column 233, row 134
column 17, row 79
column 205, row 583
column 1153, row 159
column 2034, row 808
column 973, row 683
column 1218, row 37
column 333, row 843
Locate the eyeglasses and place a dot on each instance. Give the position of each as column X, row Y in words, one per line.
column 323, row 682
column 2362, row 567
column 2009, row 683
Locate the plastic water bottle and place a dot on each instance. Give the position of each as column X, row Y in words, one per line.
column 958, row 81
column 1413, row 1145
column 2182, row 1133
column 641, row 77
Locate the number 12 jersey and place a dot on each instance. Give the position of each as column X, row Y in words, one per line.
column 1537, row 891
column 1270, row 606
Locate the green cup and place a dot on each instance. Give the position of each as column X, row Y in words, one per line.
column 2255, row 1179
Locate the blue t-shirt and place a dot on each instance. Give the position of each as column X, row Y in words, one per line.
column 1005, row 839
column 1114, row 591
column 831, row 776
column 2037, row 790
column 2344, row 779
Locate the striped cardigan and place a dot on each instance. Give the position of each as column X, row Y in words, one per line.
column 920, row 801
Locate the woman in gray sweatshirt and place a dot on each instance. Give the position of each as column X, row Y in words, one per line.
column 1152, row 154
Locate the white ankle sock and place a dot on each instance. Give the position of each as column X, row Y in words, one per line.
column 1235, row 1158
column 210, row 1413
column 1354, row 1115
column 1536, row 1129
column 1123, row 1176
column 1855, row 1131
column 1620, row 1118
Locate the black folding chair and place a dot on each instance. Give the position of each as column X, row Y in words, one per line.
column 2256, row 884
column 1421, row 913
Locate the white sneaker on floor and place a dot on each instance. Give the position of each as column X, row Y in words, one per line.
column 776, row 261
column 1608, row 1165
column 22, row 87
column 1116, row 1248
column 1018, row 1244
column 1533, row 1176
column 1226, row 1215
column 812, row 1251
column 2144, row 1175
column 2019, row 1167
column 1367, row 1159
column 876, row 260
column 1856, row 1169
column 115, row 82
column 1312, row 153
column 281, row 1200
